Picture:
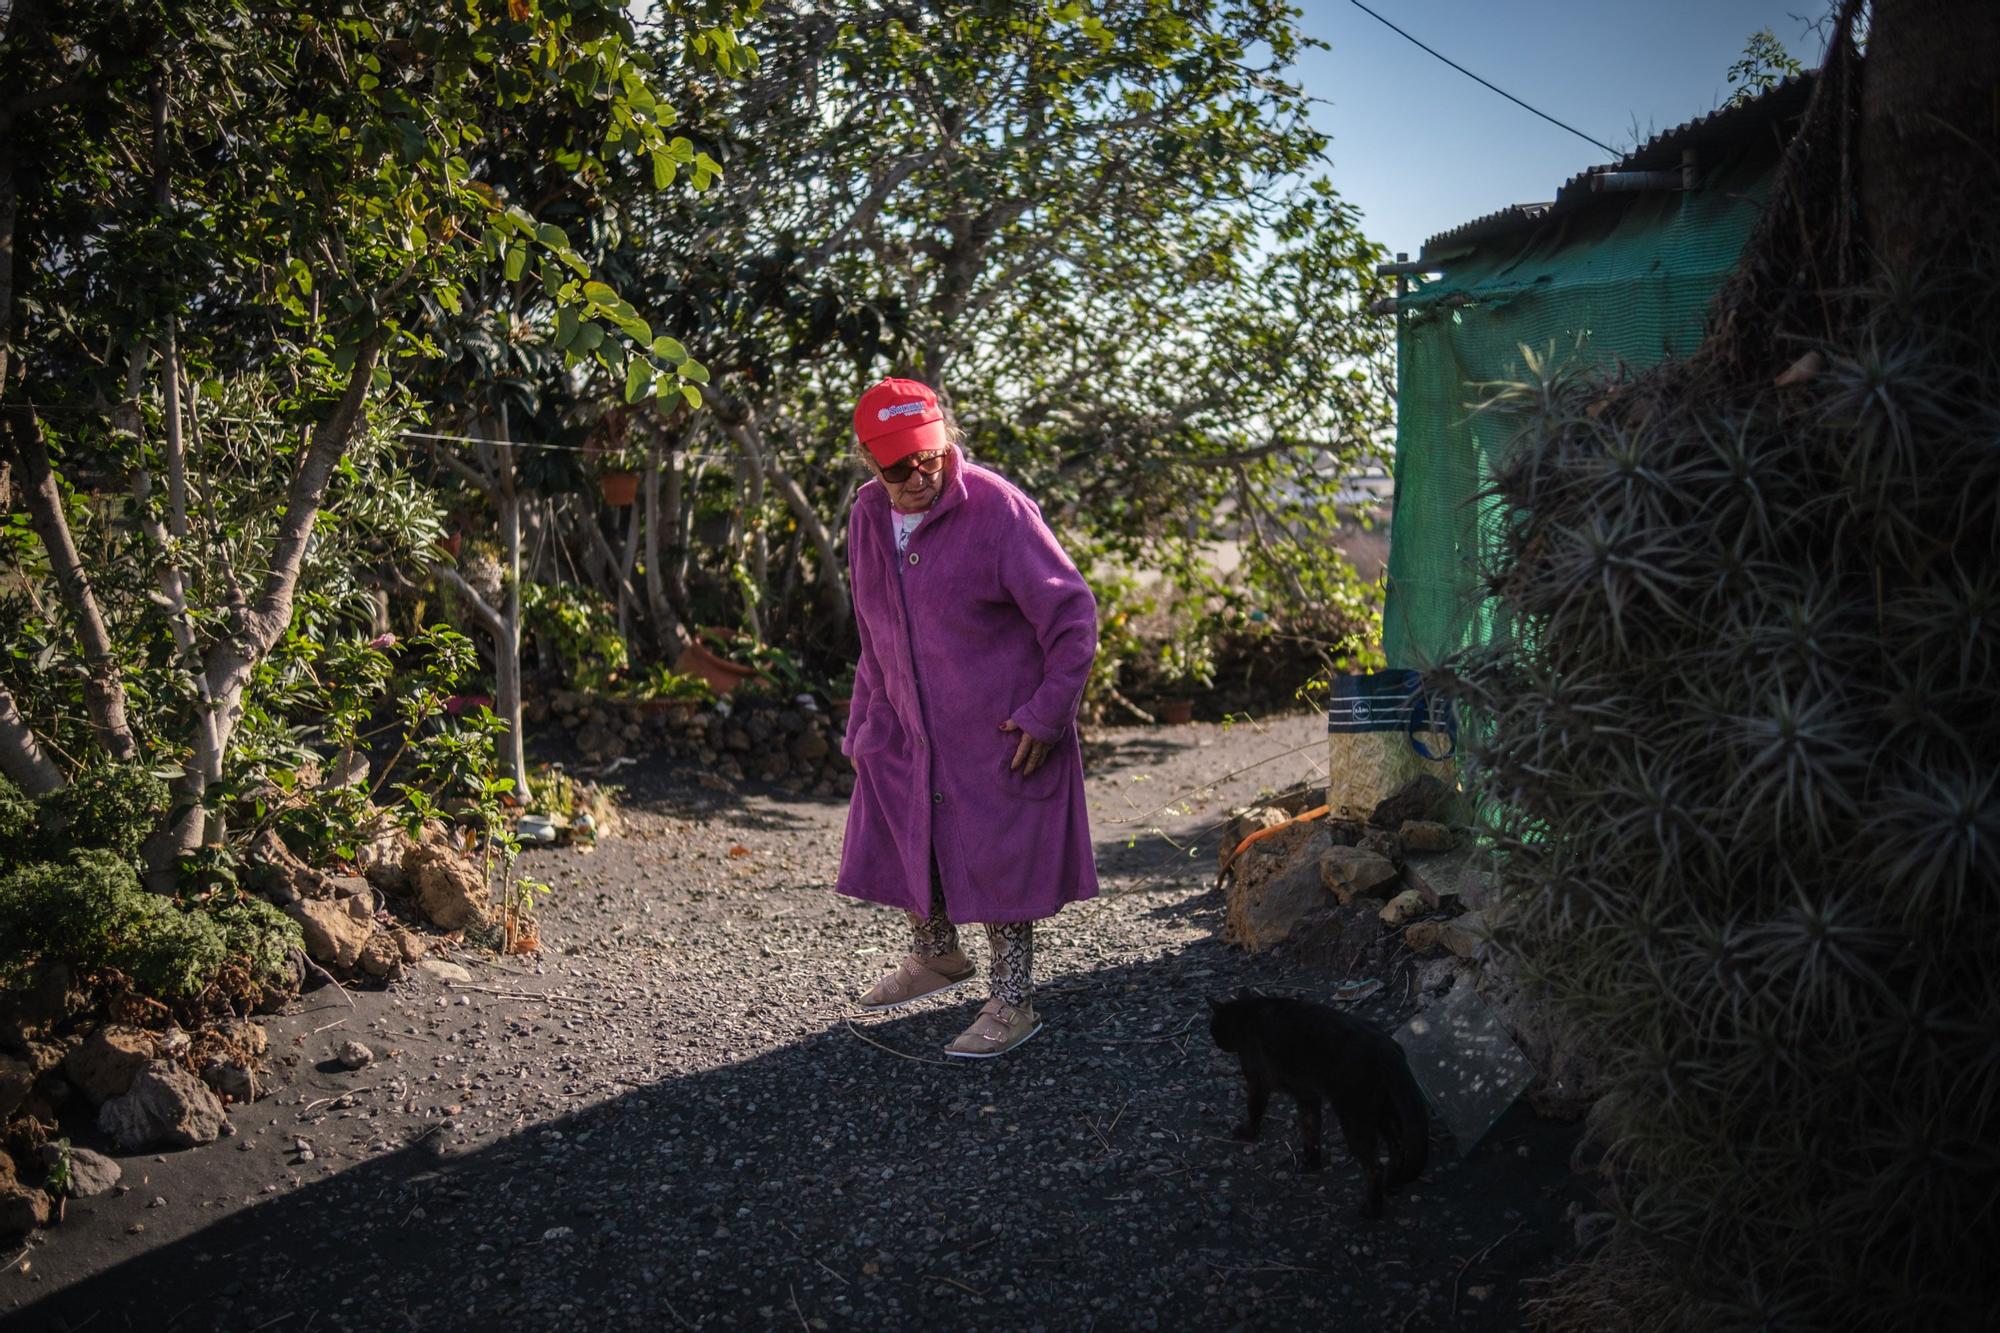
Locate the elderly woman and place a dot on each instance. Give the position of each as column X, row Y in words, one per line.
column 977, row 634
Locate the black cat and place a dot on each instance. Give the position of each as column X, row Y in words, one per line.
column 1314, row 1053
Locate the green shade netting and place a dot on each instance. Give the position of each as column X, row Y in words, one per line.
column 1624, row 279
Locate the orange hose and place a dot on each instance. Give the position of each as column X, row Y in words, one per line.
column 1301, row 818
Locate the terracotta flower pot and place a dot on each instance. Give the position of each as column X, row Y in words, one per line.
column 1177, row 712
column 620, row 488
column 451, row 545
column 721, row 674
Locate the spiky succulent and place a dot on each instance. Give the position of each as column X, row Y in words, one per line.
column 1741, row 752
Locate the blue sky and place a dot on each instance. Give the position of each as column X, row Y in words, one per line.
column 1420, row 148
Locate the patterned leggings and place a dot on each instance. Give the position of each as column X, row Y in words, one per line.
column 1011, row 944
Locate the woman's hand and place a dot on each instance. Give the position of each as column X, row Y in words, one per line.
column 1030, row 754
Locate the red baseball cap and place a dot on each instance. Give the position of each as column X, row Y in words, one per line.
column 898, row 418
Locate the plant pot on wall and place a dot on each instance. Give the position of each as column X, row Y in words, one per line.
column 721, row 674
column 620, row 488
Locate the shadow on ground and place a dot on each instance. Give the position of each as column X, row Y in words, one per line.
column 852, row 1179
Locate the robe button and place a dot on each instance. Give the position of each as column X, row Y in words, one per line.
column 913, row 557
column 937, row 798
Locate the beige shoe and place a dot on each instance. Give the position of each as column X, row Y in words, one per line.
column 916, row 977
column 999, row 1028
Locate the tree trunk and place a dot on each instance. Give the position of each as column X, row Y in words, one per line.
column 22, row 758
column 507, row 643
column 681, row 494
column 503, row 629
column 505, row 625
column 616, row 584
column 165, row 535
column 628, row 565
column 255, row 628
column 750, row 526
column 668, row 635
column 103, row 687
column 830, row 574
column 9, row 205
column 1930, row 129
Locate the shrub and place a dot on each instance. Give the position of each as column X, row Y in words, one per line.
column 113, row 806
column 17, row 821
column 1740, row 754
column 167, row 951
column 69, row 911
column 259, row 934
column 91, row 912
column 580, row 626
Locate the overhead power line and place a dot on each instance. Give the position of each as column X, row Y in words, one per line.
column 1483, row 82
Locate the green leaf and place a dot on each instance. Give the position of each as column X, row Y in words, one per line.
column 517, row 261
column 694, row 370
column 566, row 326
column 638, row 378
column 691, row 394
column 552, row 236
column 663, row 170
column 599, row 292
column 669, row 350
column 589, row 336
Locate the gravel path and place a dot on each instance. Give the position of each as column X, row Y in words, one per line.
column 676, row 1119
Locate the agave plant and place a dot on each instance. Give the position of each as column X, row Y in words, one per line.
column 1741, row 759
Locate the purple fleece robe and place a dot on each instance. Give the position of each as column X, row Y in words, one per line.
column 983, row 620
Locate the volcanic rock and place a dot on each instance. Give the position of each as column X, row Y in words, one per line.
column 1427, row 835
column 166, row 1107
column 22, row 1207
column 450, row 888
column 90, row 1173
column 16, row 1077
column 1402, row 907
column 335, row 929
column 1351, row 872
column 107, row 1062
column 1275, row 889
column 380, row 957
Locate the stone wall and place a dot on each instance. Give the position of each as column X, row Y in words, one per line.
column 787, row 744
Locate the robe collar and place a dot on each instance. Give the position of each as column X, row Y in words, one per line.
column 874, row 493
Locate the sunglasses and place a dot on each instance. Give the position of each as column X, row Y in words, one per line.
column 899, row 473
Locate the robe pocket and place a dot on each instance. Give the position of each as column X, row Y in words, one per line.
column 1045, row 782
column 878, row 732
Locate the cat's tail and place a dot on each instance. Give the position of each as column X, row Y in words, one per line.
column 1412, row 1127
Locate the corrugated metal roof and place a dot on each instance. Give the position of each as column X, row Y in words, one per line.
column 1493, row 224
column 1724, row 128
